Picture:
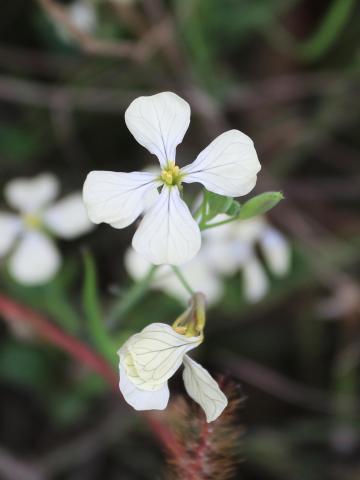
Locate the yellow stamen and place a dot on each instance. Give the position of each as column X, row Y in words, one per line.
column 32, row 221
column 171, row 174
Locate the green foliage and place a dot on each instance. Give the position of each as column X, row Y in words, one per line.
column 93, row 311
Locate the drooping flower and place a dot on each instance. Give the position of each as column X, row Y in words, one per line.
column 26, row 236
column 150, row 358
column 168, row 234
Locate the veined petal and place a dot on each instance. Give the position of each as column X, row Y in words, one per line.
column 159, row 123
column 203, row 389
column 35, row 260
column 168, row 234
column 158, row 352
column 256, row 283
column 10, row 227
column 31, row 195
column 228, row 166
column 117, row 198
column 142, row 399
column 276, row 251
column 68, row 218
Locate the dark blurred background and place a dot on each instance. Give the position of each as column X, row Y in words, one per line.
column 286, row 73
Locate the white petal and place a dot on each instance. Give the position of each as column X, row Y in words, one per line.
column 35, row 260
column 116, row 198
column 159, row 123
column 168, row 234
column 158, row 352
column 68, row 218
column 276, row 251
column 203, row 389
column 228, row 166
column 10, row 227
column 31, row 195
column 142, row 399
column 256, row 283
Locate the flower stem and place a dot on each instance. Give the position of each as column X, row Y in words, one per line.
column 135, row 293
column 217, row 224
column 182, row 279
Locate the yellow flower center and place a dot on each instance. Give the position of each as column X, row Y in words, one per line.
column 171, row 174
column 32, row 221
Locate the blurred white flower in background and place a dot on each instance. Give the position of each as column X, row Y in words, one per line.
column 226, row 250
column 197, row 271
column 232, row 247
column 83, row 15
column 26, row 236
column 168, row 234
column 150, row 358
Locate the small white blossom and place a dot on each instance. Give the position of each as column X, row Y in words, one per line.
column 25, row 236
column 150, row 358
column 83, row 15
column 198, row 271
column 232, row 247
column 168, row 234
column 226, row 250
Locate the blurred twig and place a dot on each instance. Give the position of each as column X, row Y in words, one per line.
column 12, row 468
column 277, row 385
column 136, row 50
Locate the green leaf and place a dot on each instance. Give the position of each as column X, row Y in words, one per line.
column 260, row 204
column 93, row 311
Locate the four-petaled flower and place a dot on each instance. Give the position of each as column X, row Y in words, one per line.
column 34, row 257
column 168, row 234
column 149, row 358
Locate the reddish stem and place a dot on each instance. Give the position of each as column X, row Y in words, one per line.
column 19, row 314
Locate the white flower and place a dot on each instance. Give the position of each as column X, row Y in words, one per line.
column 83, row 15
column 226, row 250
column 168, row 234
column 197, row 271
column 232, row 247
column 34, row 258
column 148, row 360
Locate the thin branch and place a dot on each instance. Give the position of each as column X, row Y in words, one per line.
column 139, row 50
column 12, row 468
column 279, row 386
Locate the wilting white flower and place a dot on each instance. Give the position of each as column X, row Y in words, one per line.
column 150, row 358
column 232, row 247
column 168, row 234
column 34, row 257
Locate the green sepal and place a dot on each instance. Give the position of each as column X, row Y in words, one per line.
column 217, row 204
